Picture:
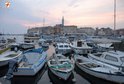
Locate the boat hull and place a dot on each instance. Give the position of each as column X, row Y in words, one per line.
column 3, row 63
column 28, row 71
column 81, row 50
column 63, row 51
column 107, row 76
column 61, row 75
column 5, row 60
column 31, row 71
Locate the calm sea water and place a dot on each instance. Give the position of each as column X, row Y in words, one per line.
column 44, row 76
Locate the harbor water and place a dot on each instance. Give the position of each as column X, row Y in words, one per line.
column 44, row 76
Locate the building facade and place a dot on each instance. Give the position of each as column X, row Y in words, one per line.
column 86, row 30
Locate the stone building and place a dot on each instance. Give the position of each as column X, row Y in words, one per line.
column 104, row 32
column 33, row 31
column 40, row 30
column 69, row 29
column 86, row 30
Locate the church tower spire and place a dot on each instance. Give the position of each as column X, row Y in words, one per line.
column 62, row 21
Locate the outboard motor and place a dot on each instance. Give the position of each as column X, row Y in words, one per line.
column 122, row 69
column 13, row 64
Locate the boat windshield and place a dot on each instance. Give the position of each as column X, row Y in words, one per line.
column 122, row 59
column 61, row 46
column 111, row 58
column 66, row 46
column 60, row 57
column 53, row 62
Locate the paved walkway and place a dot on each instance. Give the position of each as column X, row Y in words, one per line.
column 50, row 51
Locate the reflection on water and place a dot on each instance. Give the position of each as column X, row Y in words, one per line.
column 3, row 70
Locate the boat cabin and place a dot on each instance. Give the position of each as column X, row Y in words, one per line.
column 62, row 46
column 115, row 58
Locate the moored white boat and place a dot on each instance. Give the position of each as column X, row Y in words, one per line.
column 61, row 66
column 80, row 47
column 99, row 70
column 43, row 43
column 8, row 55
column 113, row 58
column 31, row 62
column 63, row 48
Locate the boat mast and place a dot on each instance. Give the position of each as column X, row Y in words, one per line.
column 114, row 16
column 43, row 22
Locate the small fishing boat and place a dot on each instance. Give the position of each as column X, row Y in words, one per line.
column 63, row 48
column 44, row 44
column 31, row 62
column 99, row 70
column 114, row 58
column 26, row 46
column 61, row 66
column 9, row 55
column 80, row 47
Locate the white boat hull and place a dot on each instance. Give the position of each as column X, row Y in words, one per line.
column 4, row 60
column 31, row 71
column 61, row 75
column 3, row 63
column 106, row 76
column 81, row 50
column 63, row 51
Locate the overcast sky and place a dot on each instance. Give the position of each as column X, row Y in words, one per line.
column 24, row 14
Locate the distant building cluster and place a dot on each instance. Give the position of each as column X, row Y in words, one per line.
column 87, row 30
column 120, row 32
column 104, row 32
column 61, row 29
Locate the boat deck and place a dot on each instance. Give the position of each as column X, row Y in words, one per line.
column 29, row 59
column 9, row 55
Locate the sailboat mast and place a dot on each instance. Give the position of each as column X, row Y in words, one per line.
column 43, row 22
column 114, row 16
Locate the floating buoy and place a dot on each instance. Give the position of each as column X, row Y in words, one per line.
column 7, row 4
